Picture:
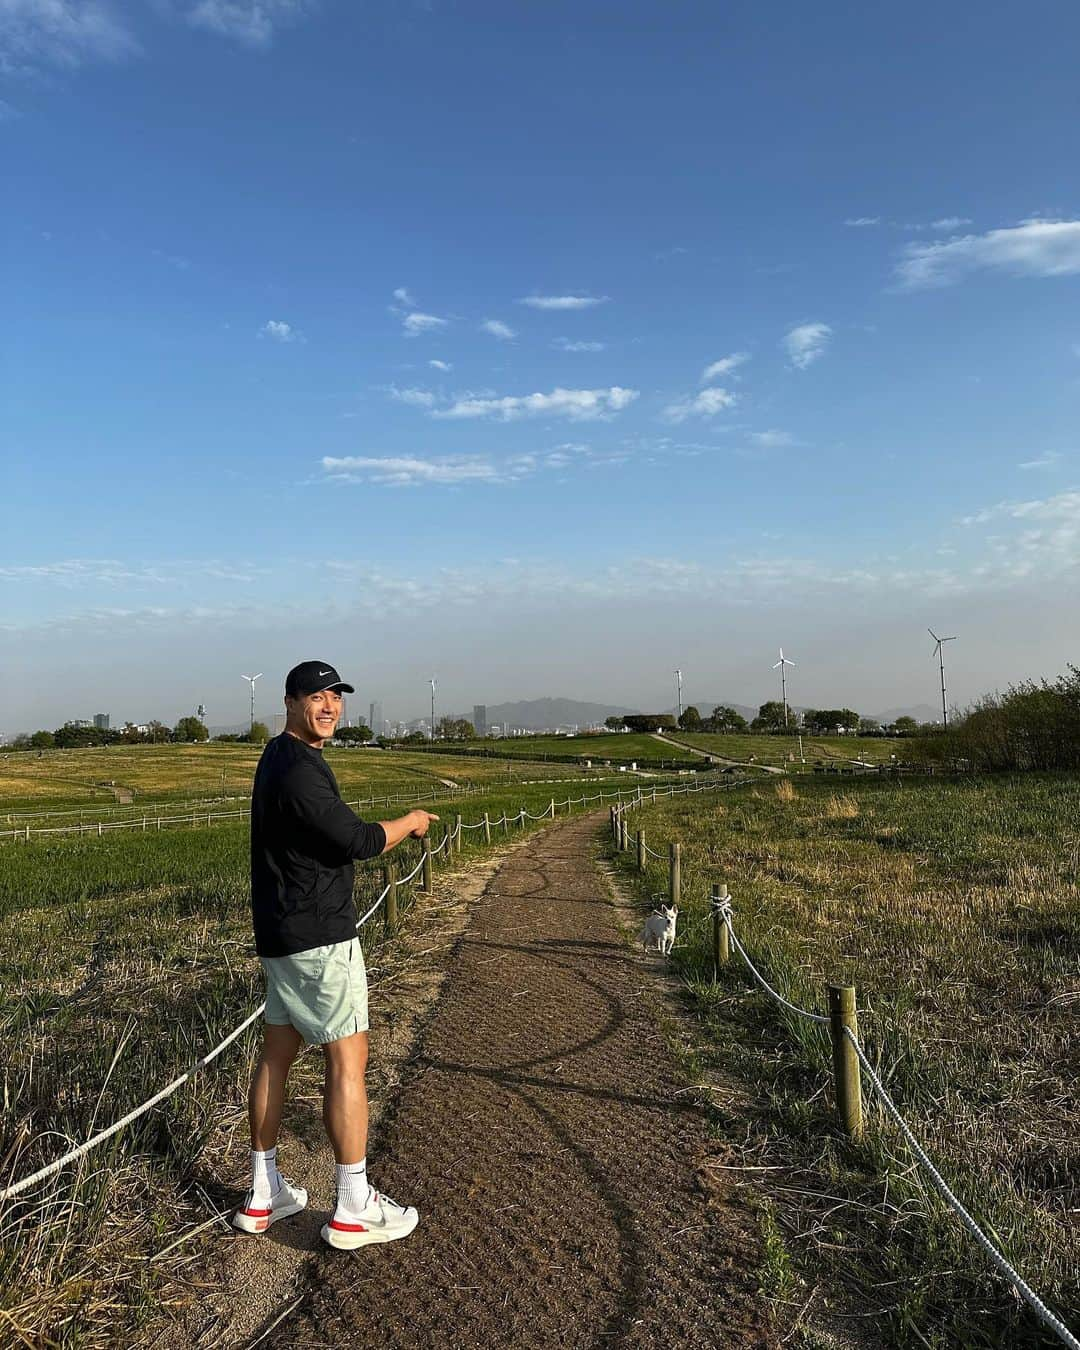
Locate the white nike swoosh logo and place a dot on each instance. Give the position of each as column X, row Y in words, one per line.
column 324, row 672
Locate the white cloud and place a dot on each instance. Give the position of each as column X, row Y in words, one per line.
column 1041, row 539
column 415, row 323
column 579, row 405
column 403, row 297
column 725, row 366
column 415, row 398
column 444, row 366
column 806, row 343
column 950, row 222
column 8, row 113
column 280, row 331
column 498, row 329
column 1034, row 248
column 773, row 440
column 410, row 470
column 1046, row 461
column 568, row 345
column 422, row 471
column 863, row 222
column 563, row 301
column 64, row 33
column 707, row 403
column 72, row 573
column 251, row 22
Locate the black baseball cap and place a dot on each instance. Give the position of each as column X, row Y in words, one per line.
column 311, row 677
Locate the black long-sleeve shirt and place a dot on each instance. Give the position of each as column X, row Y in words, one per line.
column 303, row 843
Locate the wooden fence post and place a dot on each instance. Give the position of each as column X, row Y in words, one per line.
column 641, row 850
column 457, row 834
column 487, row 828
column 521, row 817
column 721, row 942
column 390, row 913
column 425, row 844
column 553, row 808
column 624, row 843
column 675, row 873
column 611, row 822
column 845, row 1061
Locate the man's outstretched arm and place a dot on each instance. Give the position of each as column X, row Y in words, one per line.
column 415, row 824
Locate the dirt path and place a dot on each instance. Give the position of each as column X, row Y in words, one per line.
column 716, row 759
column 552, row 1146
column 250, row 1283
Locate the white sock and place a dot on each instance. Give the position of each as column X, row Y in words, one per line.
column 352, row 1187
column 265, row 1177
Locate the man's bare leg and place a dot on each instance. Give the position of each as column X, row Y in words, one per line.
column 345, row 1105
column 266, row 1099
column 361, row 1215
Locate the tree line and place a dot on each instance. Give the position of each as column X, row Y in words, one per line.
column 187, row 731
column 1032, row 725
column 772, row 718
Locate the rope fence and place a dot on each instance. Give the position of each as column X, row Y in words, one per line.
column 848, row 1057
column 451, row 837
column 150, row 818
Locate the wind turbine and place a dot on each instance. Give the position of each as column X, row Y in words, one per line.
column 782, row 665
column 432, row 707
column 678, row 695
column 941, row 665
column 251, row 680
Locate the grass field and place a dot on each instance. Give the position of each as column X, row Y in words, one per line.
column 109, row 783
column 123, row 959
column 617, row 748
column 954, row 908
column 784, row 750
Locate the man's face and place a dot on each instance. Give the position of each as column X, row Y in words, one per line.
column 314, row 717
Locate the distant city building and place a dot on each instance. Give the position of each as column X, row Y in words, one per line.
column 479, row 718
column 279, row 723
column 101, row 721
column 375, row 718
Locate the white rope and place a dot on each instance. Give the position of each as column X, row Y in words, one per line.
column 1022, row 1287
column 996, row 1258
column 725, row 914
column 374, row 907
column 405, row 880
column 9, row 1192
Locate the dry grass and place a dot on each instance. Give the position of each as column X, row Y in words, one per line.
column 842, row 806
column 954, row 909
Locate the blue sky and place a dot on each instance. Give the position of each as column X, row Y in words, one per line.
column 544, row 346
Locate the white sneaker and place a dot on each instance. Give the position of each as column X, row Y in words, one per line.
column 256, row 1216
column 381, row 1220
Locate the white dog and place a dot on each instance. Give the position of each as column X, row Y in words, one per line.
column 659, row 931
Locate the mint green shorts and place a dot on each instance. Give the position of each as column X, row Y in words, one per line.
column 321, row 992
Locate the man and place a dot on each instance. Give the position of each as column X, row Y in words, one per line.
column 304, row 840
